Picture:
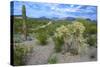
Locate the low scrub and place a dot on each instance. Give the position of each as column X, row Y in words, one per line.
column 58, row 44
column 52, row 59
column 92, row 40
column 20, row 50
column 42, row 38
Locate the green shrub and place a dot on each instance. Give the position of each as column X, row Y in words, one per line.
column 42, row 38
column 52, row 59
column 20, row 50
column 92, row 40
column 58, row 43
column 17, row 38
column 91, row 27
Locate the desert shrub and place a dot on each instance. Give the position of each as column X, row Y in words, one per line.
column 58, row 43
column 17, row 25
column 92, row 40
column 42, row 38
column 41, row 33
column 17, row 38
column 20, row 50
column 52, row 59
column 91, row 27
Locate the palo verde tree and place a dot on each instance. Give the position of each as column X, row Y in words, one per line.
column 24, row 27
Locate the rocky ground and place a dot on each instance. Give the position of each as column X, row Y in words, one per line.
column 40, row 54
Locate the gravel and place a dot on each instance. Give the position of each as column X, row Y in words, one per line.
column 40, row 54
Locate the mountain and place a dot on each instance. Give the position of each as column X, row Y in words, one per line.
column 70, row 18
column 43, row 18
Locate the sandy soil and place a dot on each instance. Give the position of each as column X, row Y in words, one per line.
column 41, row 54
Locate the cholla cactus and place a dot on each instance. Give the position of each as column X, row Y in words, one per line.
column 73, row 37
column 62, row 31
column 78, row 26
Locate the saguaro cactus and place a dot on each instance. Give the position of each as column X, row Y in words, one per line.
column 24, row 22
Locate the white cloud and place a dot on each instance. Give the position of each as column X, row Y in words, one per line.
column 71, row 6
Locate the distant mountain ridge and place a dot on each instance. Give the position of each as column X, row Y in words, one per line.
column 53, row 18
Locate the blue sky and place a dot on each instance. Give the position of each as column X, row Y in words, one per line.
column 50, row 10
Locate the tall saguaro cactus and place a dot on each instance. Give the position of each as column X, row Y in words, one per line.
column 24, row 22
